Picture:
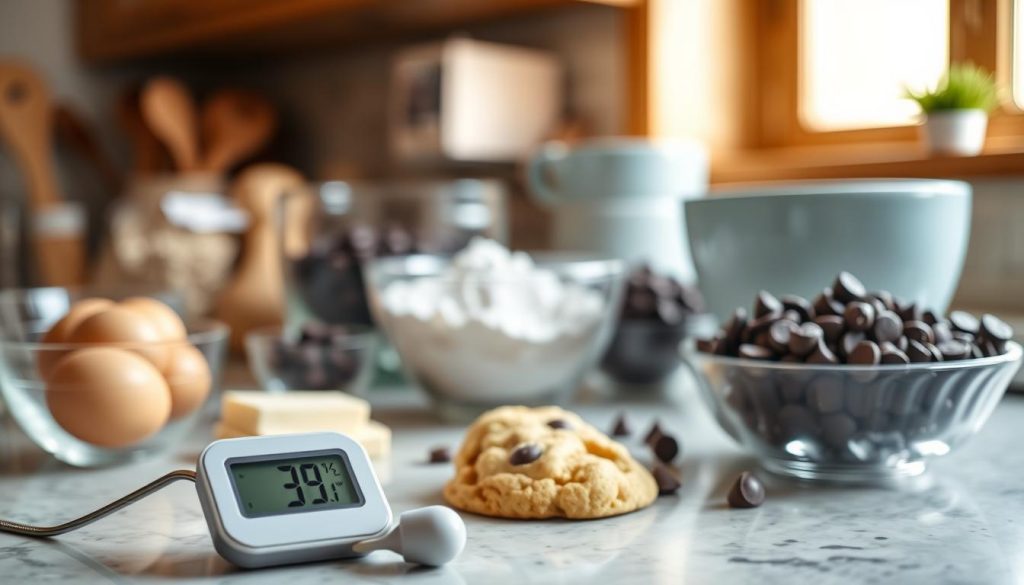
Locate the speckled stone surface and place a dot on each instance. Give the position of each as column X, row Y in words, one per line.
column 961, row 523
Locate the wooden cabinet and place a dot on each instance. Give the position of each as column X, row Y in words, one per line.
column 121, row 30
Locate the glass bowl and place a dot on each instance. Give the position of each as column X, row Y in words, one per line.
column 850, row 423
column 283, row 361
column 470, row 365
column 30, row 401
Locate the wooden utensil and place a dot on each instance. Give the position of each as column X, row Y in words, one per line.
column 255, row 297
column 169, row 111
column 149, row 155
column 235, row 125
column 26, row 124
column 74, row 132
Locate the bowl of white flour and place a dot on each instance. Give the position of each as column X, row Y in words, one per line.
column 491, row 327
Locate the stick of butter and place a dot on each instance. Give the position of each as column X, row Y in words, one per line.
column 374, row 437
column 262, row 413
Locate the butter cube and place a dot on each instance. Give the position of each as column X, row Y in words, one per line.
column 373, row 436
column 261, row 413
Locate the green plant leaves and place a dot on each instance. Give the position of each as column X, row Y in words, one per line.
column 963, row 87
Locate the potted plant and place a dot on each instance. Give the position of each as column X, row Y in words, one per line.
column 956, row 111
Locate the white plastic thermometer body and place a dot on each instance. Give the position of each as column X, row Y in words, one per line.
column 286, row 499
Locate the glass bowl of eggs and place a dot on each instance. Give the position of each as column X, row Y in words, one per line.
column 98, row 378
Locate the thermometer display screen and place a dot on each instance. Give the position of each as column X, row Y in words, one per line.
column 288, row 485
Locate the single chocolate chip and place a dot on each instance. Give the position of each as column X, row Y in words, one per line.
column 755, row 352
column 953, row 349
column 995, row 329
column 964, row 321
column 652, row 433
column 559, row 424
column 621, row 428
column 918, row 353
column 849, row 342
column 822, row 355
column 794, row 316
column 440, row 455
column 832, row 326
column 847, row 288
column 665, row 448
column 799, row 305
column 893, row 356
column 918, row 331
column 929, row 317
column 780, row 333
column 989, row 348
column 523, row 454
column 902, row 343
column 942, row 332
column 885, row 297
column 888, row 327
column 805, row 338
column 747, row 491
column 936, row 354
column 910, row 312
column 859, row 316
column 824, row 304
column 866, row 353
column 766, row 304
column 667, row 482
column 964, row 336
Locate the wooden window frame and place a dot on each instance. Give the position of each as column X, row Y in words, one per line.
column 980, row 31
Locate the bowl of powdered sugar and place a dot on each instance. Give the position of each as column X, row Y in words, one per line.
column 491, row 327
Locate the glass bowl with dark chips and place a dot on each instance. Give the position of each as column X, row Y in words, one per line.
column 853, row 386
column 316, row 357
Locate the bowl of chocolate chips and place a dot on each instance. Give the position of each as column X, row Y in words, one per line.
column 852, row 385
column 316, row 357
column 658, row 314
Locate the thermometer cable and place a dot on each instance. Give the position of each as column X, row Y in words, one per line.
column 48, row 531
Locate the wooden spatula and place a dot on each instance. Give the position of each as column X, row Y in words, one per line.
column 26, row 125
column 170, row 112
column 236, row 124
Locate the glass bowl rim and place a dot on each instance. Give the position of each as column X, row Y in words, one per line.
column 415, row 266
column 363, row 337
column 1013, row 354
column 201, row 333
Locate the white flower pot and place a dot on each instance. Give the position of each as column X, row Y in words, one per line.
column 955, row 132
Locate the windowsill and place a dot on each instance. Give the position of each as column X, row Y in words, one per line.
column 1001, row 157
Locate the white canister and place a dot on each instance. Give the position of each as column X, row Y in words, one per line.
column 622, row 197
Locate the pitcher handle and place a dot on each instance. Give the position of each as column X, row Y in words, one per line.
column 538, row 171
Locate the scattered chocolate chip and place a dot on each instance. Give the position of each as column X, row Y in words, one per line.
column 859, row 316
column 755, row 352
column 621, row 428
column 668, row 483
column 747, row 491
column 440, row 455
column 523, row 454
column 964, row 321
column 652, row 433
column 665, row 448
column 866, row 353
column 559, row 424
column 766, row 304
column 847, row 288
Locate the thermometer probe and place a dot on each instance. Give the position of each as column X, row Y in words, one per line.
column 288, row 499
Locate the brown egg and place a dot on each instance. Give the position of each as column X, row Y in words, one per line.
column 107, row 396
column 188, row 376
column 124, row 326
column 61, row 330
column 166, row 320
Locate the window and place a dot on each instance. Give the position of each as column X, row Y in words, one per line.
column 857, row 58
column 1017, row 74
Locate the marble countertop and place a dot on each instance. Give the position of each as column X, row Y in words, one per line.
column 960, row 523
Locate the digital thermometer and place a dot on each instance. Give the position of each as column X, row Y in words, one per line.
column 287, row 499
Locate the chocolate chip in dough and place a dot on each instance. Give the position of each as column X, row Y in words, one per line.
column 439, row 455
column 668, row 483
column 527, row 453
column 847, row 288
column 621, row 428
column 559, row 424
column 747, row 491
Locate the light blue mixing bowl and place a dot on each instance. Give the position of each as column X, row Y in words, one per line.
column 906, row 236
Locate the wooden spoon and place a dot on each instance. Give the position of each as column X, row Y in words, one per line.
column 236, row 124
column 255, row 296
column 170, row 113
column 149, row 155
column 26, row 124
